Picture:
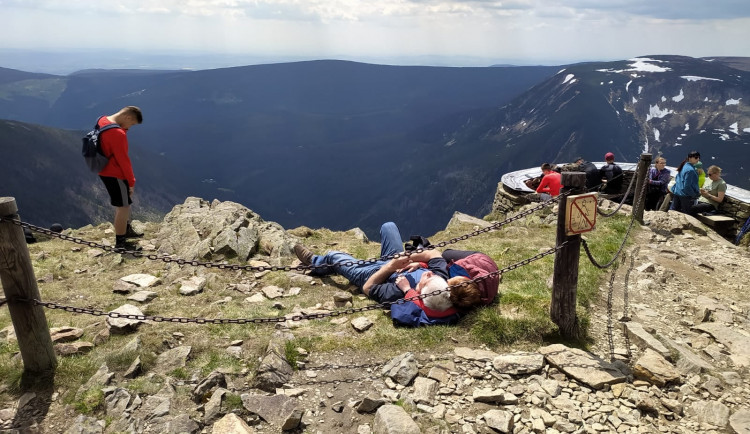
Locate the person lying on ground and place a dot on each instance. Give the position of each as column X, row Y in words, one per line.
column 377, row 279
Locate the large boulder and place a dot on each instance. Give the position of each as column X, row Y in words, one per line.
column 216, row 230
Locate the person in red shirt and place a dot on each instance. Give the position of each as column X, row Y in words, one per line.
column 117, row 175
column 550, row 185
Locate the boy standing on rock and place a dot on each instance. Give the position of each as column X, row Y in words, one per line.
column 117, row 175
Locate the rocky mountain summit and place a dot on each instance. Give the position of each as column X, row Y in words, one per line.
column 678, row 359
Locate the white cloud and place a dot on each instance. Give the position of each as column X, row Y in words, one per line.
column 484, row 32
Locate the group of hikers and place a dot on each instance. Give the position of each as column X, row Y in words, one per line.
column 691, row 192
column 607, row 179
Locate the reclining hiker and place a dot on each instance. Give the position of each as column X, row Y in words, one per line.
column 425, row 272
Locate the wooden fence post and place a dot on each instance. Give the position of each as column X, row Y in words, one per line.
column 565, row 275
column 640, row 173
column 19, row 282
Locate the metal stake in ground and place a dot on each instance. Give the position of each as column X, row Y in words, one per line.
column 565, row 276
column 19, row 284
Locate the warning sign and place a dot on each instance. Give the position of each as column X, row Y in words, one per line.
column 580, row 215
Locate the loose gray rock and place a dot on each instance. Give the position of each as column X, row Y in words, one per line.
column 740, row 421
column 172, row 359
column 711, row 412
column 499, row 420
column 272, row 292
column 86, row 425
column 425, row 391
column 401, row 369
column 370, row 403
column 392, row 419
column 122, row 326
column 361, row 324
column 642, row 338
column 655, row 369
column 280, row 410
column 274, row 371
column 204, row 388
column 232, row 424
column 212, row 410
column 134, row 369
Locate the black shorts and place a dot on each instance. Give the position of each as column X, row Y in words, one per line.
column 118, row 190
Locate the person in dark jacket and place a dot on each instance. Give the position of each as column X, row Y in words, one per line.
column 611, row 175
column 685, row 189
column 593, row 180
column 658, row 180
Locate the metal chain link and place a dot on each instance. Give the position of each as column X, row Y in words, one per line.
column 622, row 245
column 222, row 266
column 626, row 305
column 281, row 319
column 610, row 296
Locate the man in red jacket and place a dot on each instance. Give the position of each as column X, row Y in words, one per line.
column 551, row 183
column 117, row 175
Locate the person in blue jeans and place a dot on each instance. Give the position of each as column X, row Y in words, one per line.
column 378, row 279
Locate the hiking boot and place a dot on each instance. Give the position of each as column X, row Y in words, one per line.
column 127, row 245
column 303, row 254
column 131, row 233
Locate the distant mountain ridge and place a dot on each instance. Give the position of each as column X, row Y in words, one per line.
column 342, row 144
column 660, row 104
column 290, row 141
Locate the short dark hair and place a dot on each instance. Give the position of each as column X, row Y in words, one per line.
column 135, row 111
column 546, row 166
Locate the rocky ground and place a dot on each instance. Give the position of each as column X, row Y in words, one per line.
column 678, row 363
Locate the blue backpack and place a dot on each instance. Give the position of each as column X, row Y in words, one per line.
column 92, row 150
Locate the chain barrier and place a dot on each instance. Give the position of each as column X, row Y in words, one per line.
column 222, row 266
column 626, row 302
column 280, row 319
column 622, row 245
column 610, row 296
column 622, row 202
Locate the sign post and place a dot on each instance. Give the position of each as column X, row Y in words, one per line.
column 576, row 214
column 580, row 214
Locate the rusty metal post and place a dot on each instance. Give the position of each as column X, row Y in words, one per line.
column 19, row 285
column 639, row 204
column 565, row 275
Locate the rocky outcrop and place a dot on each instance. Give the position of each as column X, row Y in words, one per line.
column 216, row 230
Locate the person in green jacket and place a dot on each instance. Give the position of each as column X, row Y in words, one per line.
column 701, row 174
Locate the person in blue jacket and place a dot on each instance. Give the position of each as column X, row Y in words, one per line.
column 426, row 271
column 685, row 189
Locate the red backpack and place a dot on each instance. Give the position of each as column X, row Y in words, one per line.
column 478, row 265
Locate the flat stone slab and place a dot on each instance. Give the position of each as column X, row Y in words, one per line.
column 582, row 366
column 65, row 334
column 143, row 296
column 737, row 343
column 142, row 280
column 518, row 363
column 645, row 339
column 472, row 354
column 125, row 325
column 688, row 362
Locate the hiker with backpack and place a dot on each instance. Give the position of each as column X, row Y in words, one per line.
column 110, row 134
column 425, row 272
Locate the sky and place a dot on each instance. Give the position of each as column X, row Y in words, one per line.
column 413, row 32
